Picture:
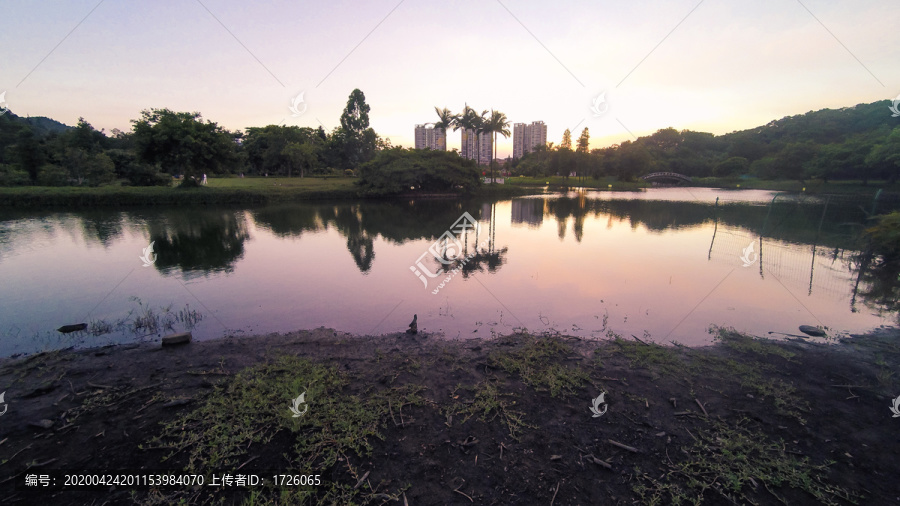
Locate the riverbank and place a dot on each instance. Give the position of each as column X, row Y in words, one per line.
column 264, row 190
column 812, row 187
column 218, row 192
column 400, row 419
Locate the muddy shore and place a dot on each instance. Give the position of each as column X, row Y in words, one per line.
column 400, row 419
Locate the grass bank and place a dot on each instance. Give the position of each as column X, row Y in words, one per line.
column 261, row 190
column 232, row 190
column 219, row 191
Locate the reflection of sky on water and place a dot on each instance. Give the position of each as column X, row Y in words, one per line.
column 278, row 270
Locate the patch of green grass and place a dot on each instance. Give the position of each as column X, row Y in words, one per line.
column 757, row 377
column 250, row 409
column 488, row 403
column 741, row 466
column 885, row 377
column 749, row 344
column 219, row 191
column 537, row 363
column 650, row 355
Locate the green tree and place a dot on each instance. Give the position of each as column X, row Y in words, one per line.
column 584, row 141
column 30, row 155
column 182, row 143
column 358, row 142
column 792, row 161
column 400, row 170
column 469, row 121
column 886, row 156
column 302, row 156
column 496, row 124
column 445, row 121
column 85, row 137
column 266, row 149
column 566, row 140
column 733, row 166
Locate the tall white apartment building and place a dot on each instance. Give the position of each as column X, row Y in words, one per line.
column 483, row 152
column 527, row 137
column 428, row 137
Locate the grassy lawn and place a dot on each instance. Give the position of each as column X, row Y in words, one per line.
column 609, row 183
column 233, row 190
column 282, row 183
column 811, row 186
column 259, row 190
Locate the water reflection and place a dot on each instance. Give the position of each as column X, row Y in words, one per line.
column 652, row 261
column 200, row 241
column 877, row 283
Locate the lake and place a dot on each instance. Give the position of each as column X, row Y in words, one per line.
column 661, row 264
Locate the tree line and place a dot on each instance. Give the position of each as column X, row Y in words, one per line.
column 165, row 143
column 860, row 143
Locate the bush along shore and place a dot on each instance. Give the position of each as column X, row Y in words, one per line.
column 416, row 419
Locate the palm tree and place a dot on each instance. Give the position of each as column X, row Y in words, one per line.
column 467, row 120
column 496, row 124
column 447, row 120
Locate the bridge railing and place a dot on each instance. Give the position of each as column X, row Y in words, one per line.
column 666, row 175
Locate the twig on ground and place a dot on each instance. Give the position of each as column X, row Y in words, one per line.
column 463, row 494
column 554, row 494
column 701, row 407
column 361, row 480
column 638, row 340
column 392, row 413
column 14, row 454
column 623, row 446
column 599, row 462
column 251, row 459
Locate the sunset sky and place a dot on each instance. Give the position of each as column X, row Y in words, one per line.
column 713, row 65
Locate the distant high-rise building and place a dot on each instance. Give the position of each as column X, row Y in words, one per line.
column 485, row 148
column 428, row 137
column 528, row 211
column 527, row 137
column 483, row 152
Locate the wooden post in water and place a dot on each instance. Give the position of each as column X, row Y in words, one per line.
column 815, row 243
column 715, row 229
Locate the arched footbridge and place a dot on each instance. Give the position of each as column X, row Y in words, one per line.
column 667, row 177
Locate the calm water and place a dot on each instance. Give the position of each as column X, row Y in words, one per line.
column 662, row 264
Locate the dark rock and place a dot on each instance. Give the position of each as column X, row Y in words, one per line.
column 65, row 329
column 812, row 331
column 180, row 338
column 41, row 390
column 41, row 424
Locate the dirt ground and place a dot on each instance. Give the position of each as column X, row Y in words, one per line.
column 416, row 420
